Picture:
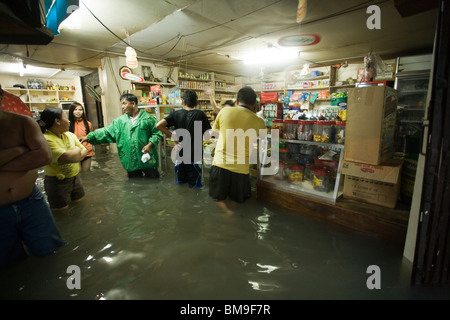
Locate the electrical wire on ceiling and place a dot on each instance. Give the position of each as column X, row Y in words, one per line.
column 185, row 54
column 212, row 27
column 341, row 12
column 104, row 24
column 173, row 47
column 28, row 60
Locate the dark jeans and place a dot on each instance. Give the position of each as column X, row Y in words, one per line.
column 27, row 222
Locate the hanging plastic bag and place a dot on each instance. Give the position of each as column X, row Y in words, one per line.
column 305, row 70
column 373, row 65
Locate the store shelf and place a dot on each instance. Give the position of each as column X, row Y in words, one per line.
column 152, row 83
column 308, row 89
column 157, row 108
column 322, row 144
column 343, row 86
column 193, row 79
column 416, row 91
column 305, row 187
column 42, row 98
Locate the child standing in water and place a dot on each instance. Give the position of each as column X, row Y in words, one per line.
column 80, row 125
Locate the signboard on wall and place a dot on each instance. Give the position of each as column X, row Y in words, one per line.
column 126, row 74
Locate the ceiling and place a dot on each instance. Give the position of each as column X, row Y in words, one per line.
column 213, row 35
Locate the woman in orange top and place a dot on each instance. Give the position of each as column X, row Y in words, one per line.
column 80, row 125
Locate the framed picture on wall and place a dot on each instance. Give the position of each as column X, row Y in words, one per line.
column 147, row 73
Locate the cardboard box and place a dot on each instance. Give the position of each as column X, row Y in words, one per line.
column 378, row 184
column 388, row 74
column 370, row 127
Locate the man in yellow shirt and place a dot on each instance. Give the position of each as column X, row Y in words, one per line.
column 238, row 129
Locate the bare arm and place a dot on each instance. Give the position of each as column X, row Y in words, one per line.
column 162, row 126
column 147, row 147
column 6, row 155
column 216, row 107
column 210, row 94
column 74, row 155
column 38, row 151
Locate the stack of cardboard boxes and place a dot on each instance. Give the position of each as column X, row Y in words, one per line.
column 371, row 173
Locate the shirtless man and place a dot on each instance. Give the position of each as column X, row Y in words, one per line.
column 24, row 213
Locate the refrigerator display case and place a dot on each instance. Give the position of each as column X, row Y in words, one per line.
column 412, row 87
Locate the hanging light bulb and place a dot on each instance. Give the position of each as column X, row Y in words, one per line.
column 22, row 69
column 131, row 59
column 270, row 55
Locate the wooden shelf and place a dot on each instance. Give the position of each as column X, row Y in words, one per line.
column 322, row 144
column 194, row 79
column 153, row 83
column 38, row 97
column 308, row 89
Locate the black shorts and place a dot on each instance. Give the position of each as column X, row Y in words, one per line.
column 61, row 192
column 225, row 183
column 148, row 173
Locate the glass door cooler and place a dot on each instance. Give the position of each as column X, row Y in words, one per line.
column 412, row 90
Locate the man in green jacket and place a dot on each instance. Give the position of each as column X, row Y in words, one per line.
column 136, row 137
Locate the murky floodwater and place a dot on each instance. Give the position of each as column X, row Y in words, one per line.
column 145, row 239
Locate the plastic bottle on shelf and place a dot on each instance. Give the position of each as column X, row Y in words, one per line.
column 340, row 132
column 317, row 131
column 282, row 171
column 305, row 130
column 326, row 131
column 290, row 129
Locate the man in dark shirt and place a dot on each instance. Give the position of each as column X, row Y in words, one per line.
column 190, row 124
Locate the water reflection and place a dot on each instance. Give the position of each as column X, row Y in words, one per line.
column 141, row 239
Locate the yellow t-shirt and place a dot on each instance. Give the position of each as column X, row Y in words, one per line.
column 238, row 129
column 58, row 147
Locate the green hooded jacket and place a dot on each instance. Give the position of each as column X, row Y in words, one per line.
column 130, row 139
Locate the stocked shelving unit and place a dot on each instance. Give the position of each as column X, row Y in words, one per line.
column 43, row 98
column 313, row 85
column 158, row 110
column 279, row 184
column 198, row 85
column 221, row 89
